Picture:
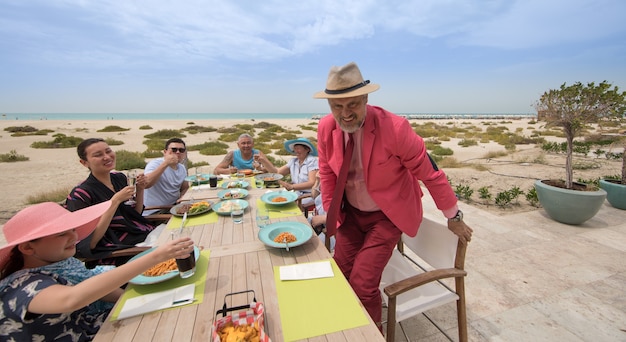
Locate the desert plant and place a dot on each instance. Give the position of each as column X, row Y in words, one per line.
column 484, row 194
column 531, row 197
column 464, row 191
column 12, row 156
column 573, row 107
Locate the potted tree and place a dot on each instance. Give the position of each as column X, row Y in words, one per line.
column 573, row 108
column 616, row 188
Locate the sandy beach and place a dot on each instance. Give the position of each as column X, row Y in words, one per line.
column 49, row 169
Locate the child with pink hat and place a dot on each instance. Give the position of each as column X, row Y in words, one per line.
column 46, row 294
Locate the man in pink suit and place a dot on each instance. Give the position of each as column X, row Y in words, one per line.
column 382, row 197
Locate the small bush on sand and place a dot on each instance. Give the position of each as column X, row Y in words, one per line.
column 165, row 134
column 126, row 160
column 144, row 127
column 113, row 129
column 57, row 195
column 11, row 157
column 60, row 141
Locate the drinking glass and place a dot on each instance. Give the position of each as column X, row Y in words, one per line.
column 198, row 175
column 187, row 266
column 256, row 160
column 262, row 218
column 237, row 216
column 131, row 176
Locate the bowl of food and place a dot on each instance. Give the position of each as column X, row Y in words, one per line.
column 235, row 184
column 232, row 194
column 203, row 178
column 285, row 234
column 160, row 272
column 279, row 197
column 224, row 208
column 191, row 208
column 269, row 177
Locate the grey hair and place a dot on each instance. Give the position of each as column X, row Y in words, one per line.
column 245, row 135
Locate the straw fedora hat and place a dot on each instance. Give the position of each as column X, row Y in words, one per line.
column 49, row 218
column 289, row 144
column 345, row 81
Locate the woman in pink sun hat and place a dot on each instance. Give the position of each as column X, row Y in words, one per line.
column 48, row 295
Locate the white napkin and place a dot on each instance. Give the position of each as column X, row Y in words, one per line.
column 312, row 270
column 152, row 238
column 157, row 301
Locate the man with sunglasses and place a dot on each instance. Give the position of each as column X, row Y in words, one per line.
column 165, row 177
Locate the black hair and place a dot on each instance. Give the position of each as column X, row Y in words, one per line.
column 82, row 147
column 174, row 140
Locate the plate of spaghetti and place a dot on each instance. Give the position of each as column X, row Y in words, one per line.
column 295, row 233
column 279, row 197
column 160, row 272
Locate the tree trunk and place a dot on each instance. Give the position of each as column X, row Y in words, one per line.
column 624, row 166
column 569, row 172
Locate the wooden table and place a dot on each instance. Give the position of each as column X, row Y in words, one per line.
column 238, row 261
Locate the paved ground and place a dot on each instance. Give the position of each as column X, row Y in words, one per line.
column 533, row 279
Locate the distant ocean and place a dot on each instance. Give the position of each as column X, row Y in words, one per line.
column 243, row 116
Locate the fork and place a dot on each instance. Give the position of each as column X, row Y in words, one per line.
column 286, row 244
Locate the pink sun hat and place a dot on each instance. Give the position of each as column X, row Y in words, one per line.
column 49, row 218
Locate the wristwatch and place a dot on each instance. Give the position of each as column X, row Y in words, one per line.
column 458, row 217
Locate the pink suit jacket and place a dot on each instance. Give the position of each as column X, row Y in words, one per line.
column 394, row 159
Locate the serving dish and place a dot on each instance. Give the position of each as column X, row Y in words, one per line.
column 145, row 280
column 174, row 210
column 224, row 208
column 301, row 231
column 271, row 197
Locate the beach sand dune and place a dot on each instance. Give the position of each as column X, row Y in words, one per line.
column 50, row 169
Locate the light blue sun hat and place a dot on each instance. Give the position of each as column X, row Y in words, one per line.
column 289, row 144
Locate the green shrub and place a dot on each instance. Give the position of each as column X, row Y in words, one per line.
column 25, row 129
column 113, row 142
column 12, row 157
column 126, row 160
column 58, row 195
column 113, row 129
column 145, row 127
column 468, row 142
column 532, row 198
column 484, row 194
column 165, row 134
column 442, row 151
column 60, row 141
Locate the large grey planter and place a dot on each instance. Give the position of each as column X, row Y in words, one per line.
column 569, row 206
column 615, row 193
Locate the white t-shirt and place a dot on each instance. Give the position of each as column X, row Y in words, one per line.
column 166, row 191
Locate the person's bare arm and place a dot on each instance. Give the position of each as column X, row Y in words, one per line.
column 63, row 299
column 169, row 159
column 223, row 166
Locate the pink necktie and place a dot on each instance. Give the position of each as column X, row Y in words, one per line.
column 335, row 204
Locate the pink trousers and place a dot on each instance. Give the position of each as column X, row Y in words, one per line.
column 364, row 243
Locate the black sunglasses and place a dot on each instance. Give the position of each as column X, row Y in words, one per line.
column 178, row 149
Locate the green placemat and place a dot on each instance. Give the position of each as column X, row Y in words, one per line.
column 199, row 279
column 316, row 307
column 278, row 211
column 175, row 221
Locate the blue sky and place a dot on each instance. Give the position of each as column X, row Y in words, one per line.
column 429, row 56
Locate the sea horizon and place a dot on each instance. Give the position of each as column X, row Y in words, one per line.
column 241, row 116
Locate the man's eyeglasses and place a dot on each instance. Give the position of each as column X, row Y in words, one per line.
column 178, row 149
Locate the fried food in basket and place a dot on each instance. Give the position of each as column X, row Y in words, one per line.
column 285, row 236
column 242, row 332
column 161, row 268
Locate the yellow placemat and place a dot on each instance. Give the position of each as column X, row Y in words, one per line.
column 278, row 211
column 175, row 221
column 198, row 279
column 316, row 307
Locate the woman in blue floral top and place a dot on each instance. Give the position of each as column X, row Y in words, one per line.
column 48, row 295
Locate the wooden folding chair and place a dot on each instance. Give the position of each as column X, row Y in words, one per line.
column 411, row 286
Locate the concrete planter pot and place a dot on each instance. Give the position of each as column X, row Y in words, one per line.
column 615, row 193
column 569, row 206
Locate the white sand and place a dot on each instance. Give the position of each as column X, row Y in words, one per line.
column 50, row 169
